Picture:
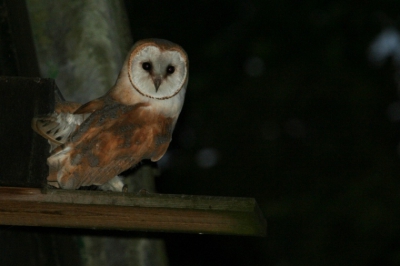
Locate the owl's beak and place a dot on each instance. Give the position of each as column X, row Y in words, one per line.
column 157, row 83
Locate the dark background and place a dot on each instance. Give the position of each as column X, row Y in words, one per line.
column 283, row 105
column 309, row 137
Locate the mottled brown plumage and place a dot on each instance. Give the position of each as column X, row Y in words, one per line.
column 114, row 138
column 94, row 142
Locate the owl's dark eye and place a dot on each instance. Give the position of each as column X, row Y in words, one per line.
column 170, row 69
column 146, row 66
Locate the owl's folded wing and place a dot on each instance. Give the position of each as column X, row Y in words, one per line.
column 110, row 141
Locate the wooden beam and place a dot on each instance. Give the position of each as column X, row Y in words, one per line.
column 126, row 211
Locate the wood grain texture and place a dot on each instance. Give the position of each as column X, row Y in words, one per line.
column 124, row 211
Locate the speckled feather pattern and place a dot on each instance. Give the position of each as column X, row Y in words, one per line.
column 95, row 142
column 110, row 141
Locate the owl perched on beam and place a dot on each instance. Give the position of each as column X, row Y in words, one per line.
column 91, row 144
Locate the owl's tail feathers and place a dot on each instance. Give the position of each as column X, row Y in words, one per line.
column 47, row 127
column 57, row 127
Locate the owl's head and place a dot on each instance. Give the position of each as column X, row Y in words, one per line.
column 157, row 69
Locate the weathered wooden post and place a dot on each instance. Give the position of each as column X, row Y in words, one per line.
column 23, row 153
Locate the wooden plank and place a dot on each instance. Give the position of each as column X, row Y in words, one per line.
column 125, row 211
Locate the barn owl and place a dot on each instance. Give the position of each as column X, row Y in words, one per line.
column 92, row 143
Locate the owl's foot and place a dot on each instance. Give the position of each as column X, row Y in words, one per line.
column 116, row 184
